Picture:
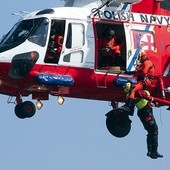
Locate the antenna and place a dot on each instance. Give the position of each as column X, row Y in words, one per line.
column 17, row 14
column 24, row 12
column 21, row 14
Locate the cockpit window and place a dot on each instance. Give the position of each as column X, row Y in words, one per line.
column 30, row 29
column 10, row 36
column 39, row 34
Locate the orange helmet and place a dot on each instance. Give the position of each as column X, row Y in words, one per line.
column 143, row 55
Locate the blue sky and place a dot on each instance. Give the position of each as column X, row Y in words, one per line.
column 72, row 136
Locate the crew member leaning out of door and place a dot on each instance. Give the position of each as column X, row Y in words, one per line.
column 145, row 75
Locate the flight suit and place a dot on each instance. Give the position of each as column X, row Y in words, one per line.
column 54, row 50
column 110, row 51
column 145, row 113
column 59, row 43
column 145, row 75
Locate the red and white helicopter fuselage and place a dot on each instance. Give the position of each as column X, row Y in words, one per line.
column 25, row 71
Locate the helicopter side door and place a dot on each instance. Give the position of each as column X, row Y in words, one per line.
column 78, row 45
column 55, row 42
column 110, row 49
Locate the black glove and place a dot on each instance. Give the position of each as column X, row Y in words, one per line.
column 51, row 50
column 155, row 103
column 105, row 50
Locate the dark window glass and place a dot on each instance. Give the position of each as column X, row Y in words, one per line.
column 165, row 4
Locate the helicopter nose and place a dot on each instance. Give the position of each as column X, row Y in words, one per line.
column 22, row 63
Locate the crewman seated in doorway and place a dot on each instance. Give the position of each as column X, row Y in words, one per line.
column 54, row 48
column 110, row 50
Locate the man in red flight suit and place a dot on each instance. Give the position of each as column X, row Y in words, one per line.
column 110, row 49
column 145, row 113
column 54, row 49
column 145, row 76
column 59, row 42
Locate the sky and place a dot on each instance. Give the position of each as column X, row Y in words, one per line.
column 72, row 136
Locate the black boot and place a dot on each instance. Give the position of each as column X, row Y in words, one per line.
column 149, row 150
column 155, row 154
column 152, row 144
column 149, row 146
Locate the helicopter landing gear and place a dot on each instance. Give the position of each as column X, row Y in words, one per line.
column 118, row 123
column 25, row 110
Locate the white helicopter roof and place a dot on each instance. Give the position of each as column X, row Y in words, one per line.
column 61, row 12
column 96, row 3
column 83, row 3
column 76, row 9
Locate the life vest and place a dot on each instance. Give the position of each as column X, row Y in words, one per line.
column 142, row 102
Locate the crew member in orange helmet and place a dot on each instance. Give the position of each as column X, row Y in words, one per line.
column 145, row 75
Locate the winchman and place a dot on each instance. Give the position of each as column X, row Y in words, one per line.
column 145, row 76
column 145, row 113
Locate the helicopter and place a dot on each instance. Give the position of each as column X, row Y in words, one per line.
column 77, row 71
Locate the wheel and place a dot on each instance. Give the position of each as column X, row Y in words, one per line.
column 18, row 111
column 25, row 110
column 28, row 109
column 118, row 123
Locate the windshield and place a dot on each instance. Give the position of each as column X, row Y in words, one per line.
column 35, row 30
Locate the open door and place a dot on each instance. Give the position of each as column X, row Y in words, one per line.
column 55, row 43
column 110, row 46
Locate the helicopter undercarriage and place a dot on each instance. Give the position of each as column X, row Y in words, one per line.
column 25, row 109
column 118, row 122
column 22, row 109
